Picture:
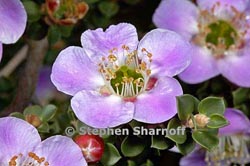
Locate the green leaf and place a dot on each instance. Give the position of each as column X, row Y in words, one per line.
column 244, row 108
column 212, row 105
column 45, row 114
column 65, row 31
column 148, row 163
column 132, row 146
column 48, row 112
column 206, row 139
column 135, row 123
column 34, row 110
column 100, row 20
column 186, row 105
column 159, row 142
column 91, row 1
column 217, row 121
column 43, row 128
column 131, row 163
column 71, row 114
column 187, row 147
column 111, row 155
column 53, row 35
column 178, row 137
column 5, row 84
column 36, row 30
column 108, row 8
column 240, row 96
column 55, row 127
column 17, row 115
column 33, row 11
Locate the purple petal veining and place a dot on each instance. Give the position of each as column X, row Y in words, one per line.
column 114, row 78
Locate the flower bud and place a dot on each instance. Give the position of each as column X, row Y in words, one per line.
column 33, row 119
column 92, row 147
column 201, row 121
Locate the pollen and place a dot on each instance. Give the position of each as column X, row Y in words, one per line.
column 221, row 35
column 126, row 74
column 32, row 159
column 231, row 150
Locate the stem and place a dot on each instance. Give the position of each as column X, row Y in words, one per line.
column 28, row 76
column 14, row 62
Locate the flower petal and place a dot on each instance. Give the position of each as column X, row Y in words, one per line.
column 99, row 43
column 158, row 104
column 238, row 123
column 61, row 150
column 45, row 90
column 197, row 158
column 202, row 67
column 101, row 111
column 239, row 4
column 13, row 18
column 177, row 15
column 247, row 13
column 171, row 53
column 236, row 68
column 16, row 136
column 73, row 71
column 1, row 51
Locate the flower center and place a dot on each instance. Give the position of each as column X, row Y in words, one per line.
column 221, row 34
column 31, row 160
column 231, row 149
column 125, row 74
column 127, row 79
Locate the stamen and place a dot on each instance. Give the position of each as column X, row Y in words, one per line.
column 231, row 150
column 125, row 74
column 31, row 160
column 112, row 58
column 222, row 35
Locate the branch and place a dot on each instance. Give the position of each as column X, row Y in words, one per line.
column 14, row 62
column 28, row 76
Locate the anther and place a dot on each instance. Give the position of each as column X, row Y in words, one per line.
column 112, row 58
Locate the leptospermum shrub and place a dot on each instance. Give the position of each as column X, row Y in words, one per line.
column 124, row 83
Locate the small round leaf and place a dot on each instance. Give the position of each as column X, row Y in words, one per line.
column 111, row 155
column 217, row 121
column 132, row 146
column 212, row 105
column 179, row 136
column 206, row 139
column 159, row 142
column 186, row 105
column 48, row 112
